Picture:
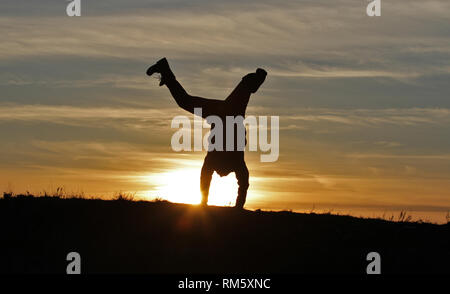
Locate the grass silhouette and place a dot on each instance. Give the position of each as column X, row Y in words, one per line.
column 124, row 235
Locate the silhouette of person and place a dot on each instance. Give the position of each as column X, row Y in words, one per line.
column 226, row 161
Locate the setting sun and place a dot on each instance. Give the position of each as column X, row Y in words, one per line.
column 183, row 186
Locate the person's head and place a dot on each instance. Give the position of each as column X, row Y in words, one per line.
column 255, row 79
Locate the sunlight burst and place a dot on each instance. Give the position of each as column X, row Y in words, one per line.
column 183, row 186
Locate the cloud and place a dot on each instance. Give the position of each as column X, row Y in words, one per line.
column 137, row 118
column 157, row 118
column 121, row 157
column 330, row 39
column 400, row 156
column 375, row 117
column 388, row 144
column 140, row 82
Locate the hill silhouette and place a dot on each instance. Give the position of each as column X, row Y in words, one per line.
column 120, row 236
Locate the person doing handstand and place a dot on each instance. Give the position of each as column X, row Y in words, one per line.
column 224, row 160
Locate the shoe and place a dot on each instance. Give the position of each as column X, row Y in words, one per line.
column 161, row 67
column 255, row 80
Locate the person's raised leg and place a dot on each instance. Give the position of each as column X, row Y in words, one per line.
column 205, row 180
column 240, row 95
column 183, row 99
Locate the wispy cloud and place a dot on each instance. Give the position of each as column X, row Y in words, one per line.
column 327, row 48
column 140, row 82
column 376, row 117
column 162, row 117
column 90, row 116
column 401, row 156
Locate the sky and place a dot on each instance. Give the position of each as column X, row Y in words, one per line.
column 363, row 101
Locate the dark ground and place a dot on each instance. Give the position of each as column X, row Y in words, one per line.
column 160, row 237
